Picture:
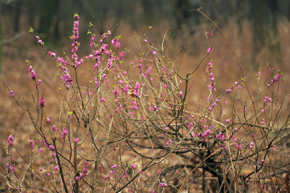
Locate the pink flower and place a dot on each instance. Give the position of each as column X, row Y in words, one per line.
column 53, row 155
column 134, row 166
column 51, row 53
column 159, row 171
column 262, row 121
column 10, row 139
column 180, row 93
column 251, row 144
column 51, row 147
column 209, row 50
column 154, row 52
column 47, row 119
column 29, row 68
column 76, row 140
column 239, row 146
column 41, row 102
column 107, row 177
column 54, row 128
column 31, row 143
column 103, row 100
column 64, row 133
column 33, row 75
column 163, row 185
column 228, row 91
column 11, row 93
column 276, row 78
column 169, row 142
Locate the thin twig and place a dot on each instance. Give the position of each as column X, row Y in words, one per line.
column 233, row 51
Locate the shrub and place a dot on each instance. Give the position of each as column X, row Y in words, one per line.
column 129, row 128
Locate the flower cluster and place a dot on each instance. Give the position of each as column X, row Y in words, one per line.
column 75, row 38
column 211, row 77
column 41, row 102
column 10, row 139
column 32, row 73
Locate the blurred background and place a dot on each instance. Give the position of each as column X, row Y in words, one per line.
column 262, row 20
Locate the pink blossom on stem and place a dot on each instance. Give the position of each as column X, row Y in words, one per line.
column 51, row 147
column 64, row 133
column 39, row 82
column 169, row 142
column 41, row 102
column 29, row 68
column 33, row 75
column 262, row 121
column 134, row 166
column 10, row 139
column 228, row 91
column 12, row 168
column 38, row 40
column 209, row 50
column 163, row 185
column 276, row 78
column 251, row 144
column 54, row 128
column 53, row 155
column 239, row 146
column 51, row 53
column 11, row 93
column 31, row 143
